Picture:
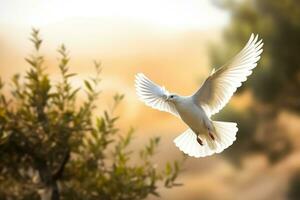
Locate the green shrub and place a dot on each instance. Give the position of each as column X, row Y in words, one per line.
column 52, row 147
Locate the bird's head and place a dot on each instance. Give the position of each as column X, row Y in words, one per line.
column 172, row 98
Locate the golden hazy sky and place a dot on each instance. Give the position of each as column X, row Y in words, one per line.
column 178, row 14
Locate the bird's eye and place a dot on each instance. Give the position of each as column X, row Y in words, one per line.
column 171, row 96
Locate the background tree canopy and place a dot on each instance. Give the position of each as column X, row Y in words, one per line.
column 52, row 147
column 276, row 81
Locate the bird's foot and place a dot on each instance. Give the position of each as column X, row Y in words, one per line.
column 199, row 141
column 211, row 136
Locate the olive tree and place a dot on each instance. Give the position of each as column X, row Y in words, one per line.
column 52, row 146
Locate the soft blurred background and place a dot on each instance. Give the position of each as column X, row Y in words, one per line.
column 176, row 44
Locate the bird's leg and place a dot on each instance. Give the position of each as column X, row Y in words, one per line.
column 211, row 135
column 199, row 141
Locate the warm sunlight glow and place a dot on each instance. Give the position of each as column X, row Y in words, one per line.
column 171, row 14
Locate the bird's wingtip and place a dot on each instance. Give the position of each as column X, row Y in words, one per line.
column 139, row 74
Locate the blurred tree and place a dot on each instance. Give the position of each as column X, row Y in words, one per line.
column 294, row 192
column 52, row 148
column 275, row 83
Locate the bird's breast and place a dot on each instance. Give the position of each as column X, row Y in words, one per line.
column 192, row 115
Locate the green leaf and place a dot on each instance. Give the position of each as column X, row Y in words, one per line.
column 31, row 62
column 168, row 168
column 88, row 85
column 72, row 95
column 70, row 75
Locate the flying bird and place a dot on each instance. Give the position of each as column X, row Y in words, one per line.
column 204, row 136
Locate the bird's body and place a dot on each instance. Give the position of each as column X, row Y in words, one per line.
column 193, row 115
column 204, row 136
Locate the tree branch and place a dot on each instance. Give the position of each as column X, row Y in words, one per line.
column 58, row 174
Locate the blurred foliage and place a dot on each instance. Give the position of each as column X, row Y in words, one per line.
column 275, row 82
column 52, row 147
column 294, row 192
column 277, row 79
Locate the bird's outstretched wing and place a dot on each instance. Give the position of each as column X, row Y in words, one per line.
column 153, row 95
column 218, row 88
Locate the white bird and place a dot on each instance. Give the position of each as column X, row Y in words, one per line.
column 204, row 136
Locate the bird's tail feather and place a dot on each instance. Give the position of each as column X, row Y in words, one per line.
column 225, row 135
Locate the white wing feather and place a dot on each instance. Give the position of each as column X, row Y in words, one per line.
column 153, row 95
column 218, row 88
